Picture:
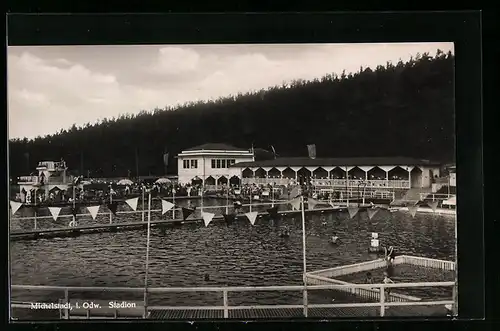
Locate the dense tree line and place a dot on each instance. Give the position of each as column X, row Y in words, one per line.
column 402, row 109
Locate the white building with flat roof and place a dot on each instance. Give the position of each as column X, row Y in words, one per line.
column 210, row 164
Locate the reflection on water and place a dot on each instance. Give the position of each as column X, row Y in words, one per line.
column 237, row 254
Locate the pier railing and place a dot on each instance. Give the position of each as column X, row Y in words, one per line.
column 225, row 307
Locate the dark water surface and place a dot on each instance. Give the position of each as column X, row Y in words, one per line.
column 237, row 254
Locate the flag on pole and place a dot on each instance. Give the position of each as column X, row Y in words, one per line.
column 352, row 211
column 93, row 211
column 166, row 206
column 207, row 217
column 252, row 216
column 311, row 203
column 186, row 212
column 112, row 206
column 312, row 151
column 371, row 212
column 14, row 205
column 433, row 205
column 165, row 159
column 132, row 203
column 295, row 203
column 55, row 212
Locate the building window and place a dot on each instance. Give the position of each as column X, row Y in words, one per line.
column 218, row 164
column 194, row 164
column 185, row 164
column 213, row 163
column 232, row 161
column 223, row 164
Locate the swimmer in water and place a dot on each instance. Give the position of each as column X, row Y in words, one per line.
column 334, row 239
column 369, row 279
column 207, row 277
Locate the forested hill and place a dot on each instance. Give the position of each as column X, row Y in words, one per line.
column 403, row 109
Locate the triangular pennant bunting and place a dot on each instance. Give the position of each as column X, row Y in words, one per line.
column 252, row 216
column 433, row 205
column 413, row 210
column 186, row 212
column 311, row 203
column 295, row 203
column 352, row 211
column 14, row 205
column 166, row 206
column 273, row 212
column 113, row 206
column 93, row 210
column 207, row 217
column 55, row 212
column 132, row 203
column 371, row 212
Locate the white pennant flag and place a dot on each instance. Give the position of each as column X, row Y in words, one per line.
column 433, row 205
column 372, row 212
column 352, row 211
column 413, row 210
column 166, row 206
column 311, row 203
column 295, row 203
column 188, row 191
column 252, row 216
column 55, row 212
column 93, row 210
column 207, row 217
column 15, row 206
column 132, row 203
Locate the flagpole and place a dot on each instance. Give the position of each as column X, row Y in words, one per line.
column 304, row 256
column 147, row 256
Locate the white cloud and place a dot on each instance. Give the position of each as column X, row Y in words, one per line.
column 176, row 60
column 47, row 92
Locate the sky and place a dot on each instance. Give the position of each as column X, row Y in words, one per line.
column 53, row 87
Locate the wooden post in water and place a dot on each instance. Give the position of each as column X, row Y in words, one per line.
column 304, row 256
